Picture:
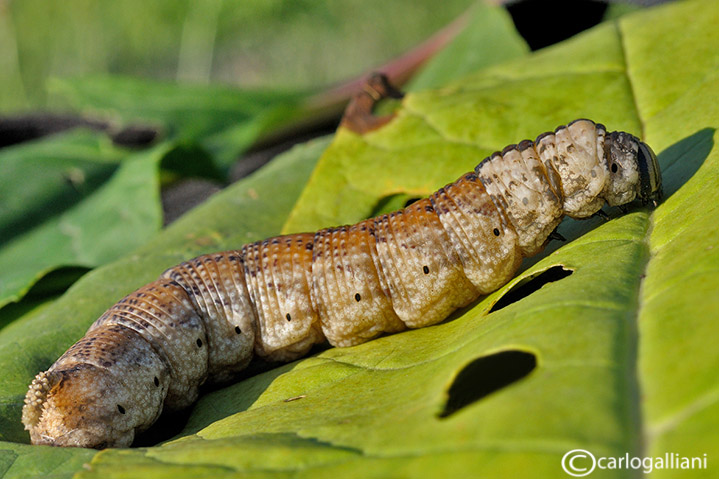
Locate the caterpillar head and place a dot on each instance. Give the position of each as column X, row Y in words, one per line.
column 634, row 171
column 97, row 397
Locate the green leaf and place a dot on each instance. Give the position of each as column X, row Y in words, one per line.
column 488, row 39
column 224, row 121
column 19, row 461
column 624, row 347
column 62, row 169
column 71, row 202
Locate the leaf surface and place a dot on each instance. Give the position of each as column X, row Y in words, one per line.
column 73, row 200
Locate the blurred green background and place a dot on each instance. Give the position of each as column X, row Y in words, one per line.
column 275, row 44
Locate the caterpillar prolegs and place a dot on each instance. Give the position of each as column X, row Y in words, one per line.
column 206, row 318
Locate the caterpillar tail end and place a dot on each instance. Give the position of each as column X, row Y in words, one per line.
column 59, row 405
column 36, row 398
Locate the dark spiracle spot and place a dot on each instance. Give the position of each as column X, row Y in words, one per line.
column 199, row 342
column 238, row 330
column 486, row 375
column 614, row 168
column 425, row 269
column 525, row 288
column 358, row 297
column 157, row 382
column 121, row 409
column 496, row 232
column 289, row 317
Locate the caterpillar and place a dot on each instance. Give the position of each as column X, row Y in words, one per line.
column 205, row 319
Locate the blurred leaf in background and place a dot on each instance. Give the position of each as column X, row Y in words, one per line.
column 273, row 44
column 72, row 200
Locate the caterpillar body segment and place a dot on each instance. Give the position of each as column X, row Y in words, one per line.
column 162, row 313
column 423, row 272
column 205, row 319
column 349, row 288
column 480, row 232
column 279, row 279
column 216, row 286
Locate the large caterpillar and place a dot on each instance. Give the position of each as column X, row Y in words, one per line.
column 205, row 319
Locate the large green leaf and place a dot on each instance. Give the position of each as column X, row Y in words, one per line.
column 624, row 346
column 489, row 38
column 224, row 121
column 374, row 410
column 70, row 201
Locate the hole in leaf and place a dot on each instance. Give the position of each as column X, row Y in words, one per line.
column 525, row 288
column 486, row 375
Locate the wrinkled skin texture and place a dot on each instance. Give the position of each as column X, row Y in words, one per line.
column 205, row 319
